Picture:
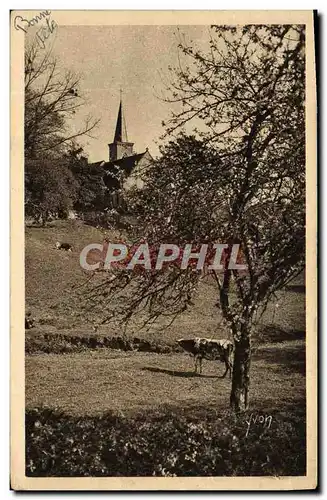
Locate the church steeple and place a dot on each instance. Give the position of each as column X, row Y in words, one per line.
column 120, row 147
column 121, row 131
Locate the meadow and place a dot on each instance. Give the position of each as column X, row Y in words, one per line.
column 99, row 406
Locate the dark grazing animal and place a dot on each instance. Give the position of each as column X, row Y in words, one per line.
column 64, row 246
column 210, row 349
column 29, row 321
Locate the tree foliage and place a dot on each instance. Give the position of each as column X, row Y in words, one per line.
column 55, row 174
column 50, row 189
column 92, row 192
column 52, row 97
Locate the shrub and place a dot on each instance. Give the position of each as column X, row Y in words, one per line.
column 169, row 443
column 57, row 343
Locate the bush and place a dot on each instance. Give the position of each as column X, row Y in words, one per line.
column 162, row 444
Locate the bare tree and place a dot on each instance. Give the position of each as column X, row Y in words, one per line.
column 241, row 180
column 52, row 97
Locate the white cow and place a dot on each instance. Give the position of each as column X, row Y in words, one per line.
column 211, row 349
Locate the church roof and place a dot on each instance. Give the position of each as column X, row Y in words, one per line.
column 127, row 163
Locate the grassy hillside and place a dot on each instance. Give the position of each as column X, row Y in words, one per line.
column 51, row 275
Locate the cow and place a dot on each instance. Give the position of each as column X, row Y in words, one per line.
column 29, row 321
column 64, row 246
column 210, row 349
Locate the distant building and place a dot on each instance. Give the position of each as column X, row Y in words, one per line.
column 124, row 168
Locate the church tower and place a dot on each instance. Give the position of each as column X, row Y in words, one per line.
column 120, row 147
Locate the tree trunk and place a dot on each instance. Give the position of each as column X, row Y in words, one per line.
column 239, row 397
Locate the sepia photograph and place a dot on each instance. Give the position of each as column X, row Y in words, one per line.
column 163, row 227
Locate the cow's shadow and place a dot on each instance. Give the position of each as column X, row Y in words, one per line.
column 176, row 373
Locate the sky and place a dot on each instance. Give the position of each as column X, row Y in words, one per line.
column 134, row 58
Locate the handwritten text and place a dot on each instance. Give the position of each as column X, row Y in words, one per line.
column 264, row 420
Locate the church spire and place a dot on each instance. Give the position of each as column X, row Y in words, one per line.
column 120, row 147
column 121, row 130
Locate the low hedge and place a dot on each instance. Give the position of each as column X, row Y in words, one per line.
column 170, row 443
column 57, row 343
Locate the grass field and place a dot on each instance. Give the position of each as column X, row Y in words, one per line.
column 135, row 385
column 105, row 380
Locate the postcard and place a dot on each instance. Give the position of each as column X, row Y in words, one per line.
column 163, row 250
